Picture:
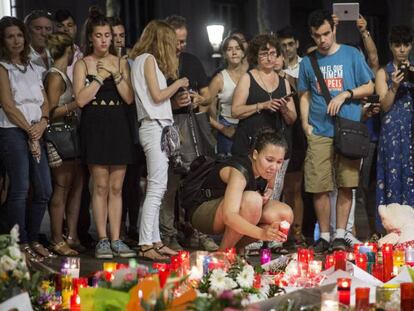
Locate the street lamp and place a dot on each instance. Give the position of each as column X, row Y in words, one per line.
column 215, row 36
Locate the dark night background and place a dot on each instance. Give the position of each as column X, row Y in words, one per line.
column 250, row 16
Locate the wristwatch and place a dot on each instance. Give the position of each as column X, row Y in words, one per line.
column 365, row 34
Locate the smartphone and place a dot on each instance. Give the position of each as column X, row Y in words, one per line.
column 293, row 93
column 346, row 11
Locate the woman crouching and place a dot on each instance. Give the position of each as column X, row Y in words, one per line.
column 239, row 205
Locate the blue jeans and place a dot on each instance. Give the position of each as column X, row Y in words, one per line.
column 22, row 169
column 223, row 142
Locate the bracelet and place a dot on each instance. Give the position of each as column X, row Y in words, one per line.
column 118, row 79
column 46, row 118
column 365, row 34
column 116, row 75
column 350, row 92
column 257, row 108
column 98, row 79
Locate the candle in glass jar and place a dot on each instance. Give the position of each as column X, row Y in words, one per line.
column 407, row 296
column 344, row 290
column 361, row 261
column 409, row 256
column 315, row 267
column 387, row 259
column 398, row 261
column 231, row 254
column 284, row 227
column 362, row 299
column 329, row 261
column 109, row 266
column 340, row 260
column 265, row 255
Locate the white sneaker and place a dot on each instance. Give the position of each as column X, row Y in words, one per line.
column 254, row 246
column 350, row 239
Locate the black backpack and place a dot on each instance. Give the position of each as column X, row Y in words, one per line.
column 192, row 193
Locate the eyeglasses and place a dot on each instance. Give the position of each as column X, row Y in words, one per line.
column 271, row 54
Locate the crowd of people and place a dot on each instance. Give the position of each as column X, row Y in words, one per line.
column 82, row 126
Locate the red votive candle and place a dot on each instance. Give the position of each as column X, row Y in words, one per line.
column 387, row 259
column 284, row 227
column 329, row 261
column 257, row 282
column 361, row 261
column 340, row 260
column 231, row 254
column 362, row 299
column 407, row 296
column 344, row 290
column 378, row 271
column 75, row 303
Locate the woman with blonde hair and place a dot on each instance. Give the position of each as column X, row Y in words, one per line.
column 67, row 177
column 102, row 88
column 154, row 61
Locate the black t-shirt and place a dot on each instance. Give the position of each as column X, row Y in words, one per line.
column 191, row 68
column 242, row 164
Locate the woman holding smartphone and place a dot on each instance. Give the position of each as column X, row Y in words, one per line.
column 395, row 168
column 258, row 98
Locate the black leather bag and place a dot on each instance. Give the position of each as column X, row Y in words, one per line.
column 351, row 138
column 64, row 136
column 195, row 135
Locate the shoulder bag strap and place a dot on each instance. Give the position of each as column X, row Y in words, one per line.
column 191, row 120
column 321, row 81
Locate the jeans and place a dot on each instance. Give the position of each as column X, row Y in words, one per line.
column 157, row 178
column 22, row 169
column 223, row 142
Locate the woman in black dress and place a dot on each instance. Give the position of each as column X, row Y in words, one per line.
column 102, row 88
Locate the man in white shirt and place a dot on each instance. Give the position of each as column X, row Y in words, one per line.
column 290, row 44
column 39, row 25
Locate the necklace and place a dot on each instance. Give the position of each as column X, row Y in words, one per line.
column 20, row 69
column 265, row 86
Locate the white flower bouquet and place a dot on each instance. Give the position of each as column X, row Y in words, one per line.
column 14, row 274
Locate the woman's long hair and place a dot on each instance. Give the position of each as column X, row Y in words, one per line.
column 160, row 40
column 95, row 18
column 8, row 21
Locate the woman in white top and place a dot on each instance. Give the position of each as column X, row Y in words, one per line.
column 222, row 87
column 155, row 60
column 67, row 177
column 23, row 119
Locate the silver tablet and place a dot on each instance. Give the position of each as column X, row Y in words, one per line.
column 346, row 11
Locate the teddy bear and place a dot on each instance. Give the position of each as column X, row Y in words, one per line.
column 398, row 221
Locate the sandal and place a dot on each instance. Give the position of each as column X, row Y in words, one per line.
column 30, row 255
column 75, row 244
column 164, row 250
column 41, row 250
column 63, row 249
column 151, row 254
